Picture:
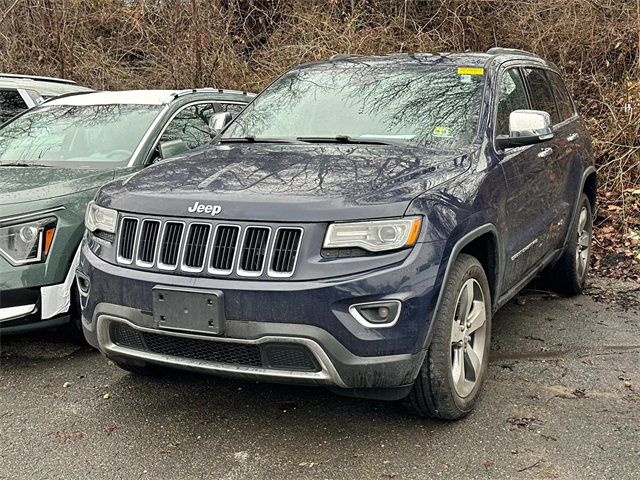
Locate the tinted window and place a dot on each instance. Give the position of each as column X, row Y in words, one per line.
column 11, row 104
column 419, row 105
column 191, row 125
column 511, row 96
column 541, row 93
column 565, row 105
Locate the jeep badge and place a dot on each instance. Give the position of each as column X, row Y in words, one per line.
column 201, row 208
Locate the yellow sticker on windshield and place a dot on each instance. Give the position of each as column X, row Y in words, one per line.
column 442, row 132
column 470, row 71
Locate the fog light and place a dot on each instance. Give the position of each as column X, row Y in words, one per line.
column 381, row 314
column 84, row 284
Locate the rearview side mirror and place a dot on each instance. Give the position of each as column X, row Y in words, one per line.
column 217, row 122
column 526, row 127
column 172, row 148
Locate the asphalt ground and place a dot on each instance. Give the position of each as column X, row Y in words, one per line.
column 562, row 400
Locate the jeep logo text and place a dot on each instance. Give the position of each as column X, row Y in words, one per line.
column 198, row 207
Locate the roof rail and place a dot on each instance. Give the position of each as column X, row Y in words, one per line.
column 510, row 51
column 211, row 89
column 38, row 78
column 342, row 56
column 65, row 95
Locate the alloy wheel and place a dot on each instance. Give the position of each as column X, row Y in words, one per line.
column 468, row 337
column 584, row 242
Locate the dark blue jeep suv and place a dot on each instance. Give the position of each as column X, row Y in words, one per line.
column 356, row 226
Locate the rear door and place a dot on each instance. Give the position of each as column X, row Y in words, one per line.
column 530, row 174
column 569, row 139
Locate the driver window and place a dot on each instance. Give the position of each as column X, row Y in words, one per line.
column 541, row 93
column 511, row 96
column 191, row 125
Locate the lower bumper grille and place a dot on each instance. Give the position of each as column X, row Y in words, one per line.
column 269, row 355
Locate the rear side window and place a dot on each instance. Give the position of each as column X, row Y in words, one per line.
column 11, row 104
column 541, row 93
column 511, row 96
column 563, row 99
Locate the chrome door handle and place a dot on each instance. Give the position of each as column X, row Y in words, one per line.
column 573, row 137
column 545, row 152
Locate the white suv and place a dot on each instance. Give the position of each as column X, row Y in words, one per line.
column 21, row 92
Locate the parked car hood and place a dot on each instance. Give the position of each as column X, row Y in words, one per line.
column 31, row 184
column 287, row 182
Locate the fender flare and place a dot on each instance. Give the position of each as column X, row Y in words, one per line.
column 462, row 242
column 576, row 205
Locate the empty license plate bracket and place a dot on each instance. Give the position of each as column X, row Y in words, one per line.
column 188, row 310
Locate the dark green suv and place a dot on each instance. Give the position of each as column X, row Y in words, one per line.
column 54, row 157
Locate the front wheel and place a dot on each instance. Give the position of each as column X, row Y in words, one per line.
column 141, row 369
column 451, row 377
column 74, row 328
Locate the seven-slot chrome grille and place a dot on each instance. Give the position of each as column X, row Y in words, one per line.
column 202, row 247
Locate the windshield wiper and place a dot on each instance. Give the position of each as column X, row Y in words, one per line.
column 253, row 139
column 23, row 164
column 348, row 139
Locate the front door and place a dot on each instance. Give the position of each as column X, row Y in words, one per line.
column 532, row 179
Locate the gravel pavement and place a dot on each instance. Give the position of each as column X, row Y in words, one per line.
column 562, row 400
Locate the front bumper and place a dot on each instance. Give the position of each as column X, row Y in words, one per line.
column 38, row 295
column 311, row 315
column 33, row 308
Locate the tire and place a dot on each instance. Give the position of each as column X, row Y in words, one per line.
column 73, row 329
column 435, row 393
column 569, row 274
column 141, row 369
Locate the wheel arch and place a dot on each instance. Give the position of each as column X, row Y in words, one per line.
column 483, row 243
column 589, row 187
column 485, row 249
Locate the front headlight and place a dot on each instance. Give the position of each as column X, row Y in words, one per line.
column 374, row 236
column 27, row 242
column 100, row 218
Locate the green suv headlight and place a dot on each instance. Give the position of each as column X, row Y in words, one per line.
column 100, row 218
column 374, row 236
column 27, row 242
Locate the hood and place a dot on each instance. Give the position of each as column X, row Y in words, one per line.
column 31, row 184
column 292, row 182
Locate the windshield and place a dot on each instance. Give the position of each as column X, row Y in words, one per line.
column 419, row 105
column 95, row 136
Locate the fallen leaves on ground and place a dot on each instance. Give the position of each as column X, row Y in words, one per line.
column 64, row 437
column 579, row 392
column 625, row 298
column 616, row 235
column 530, row 423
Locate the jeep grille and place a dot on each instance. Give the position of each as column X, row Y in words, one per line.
column 254, row 248
column 225, row 244
column 170, row 246
column 148, row 241
column 127, row 241
column 208, row 248
column 285, row 251
column 196, row 246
